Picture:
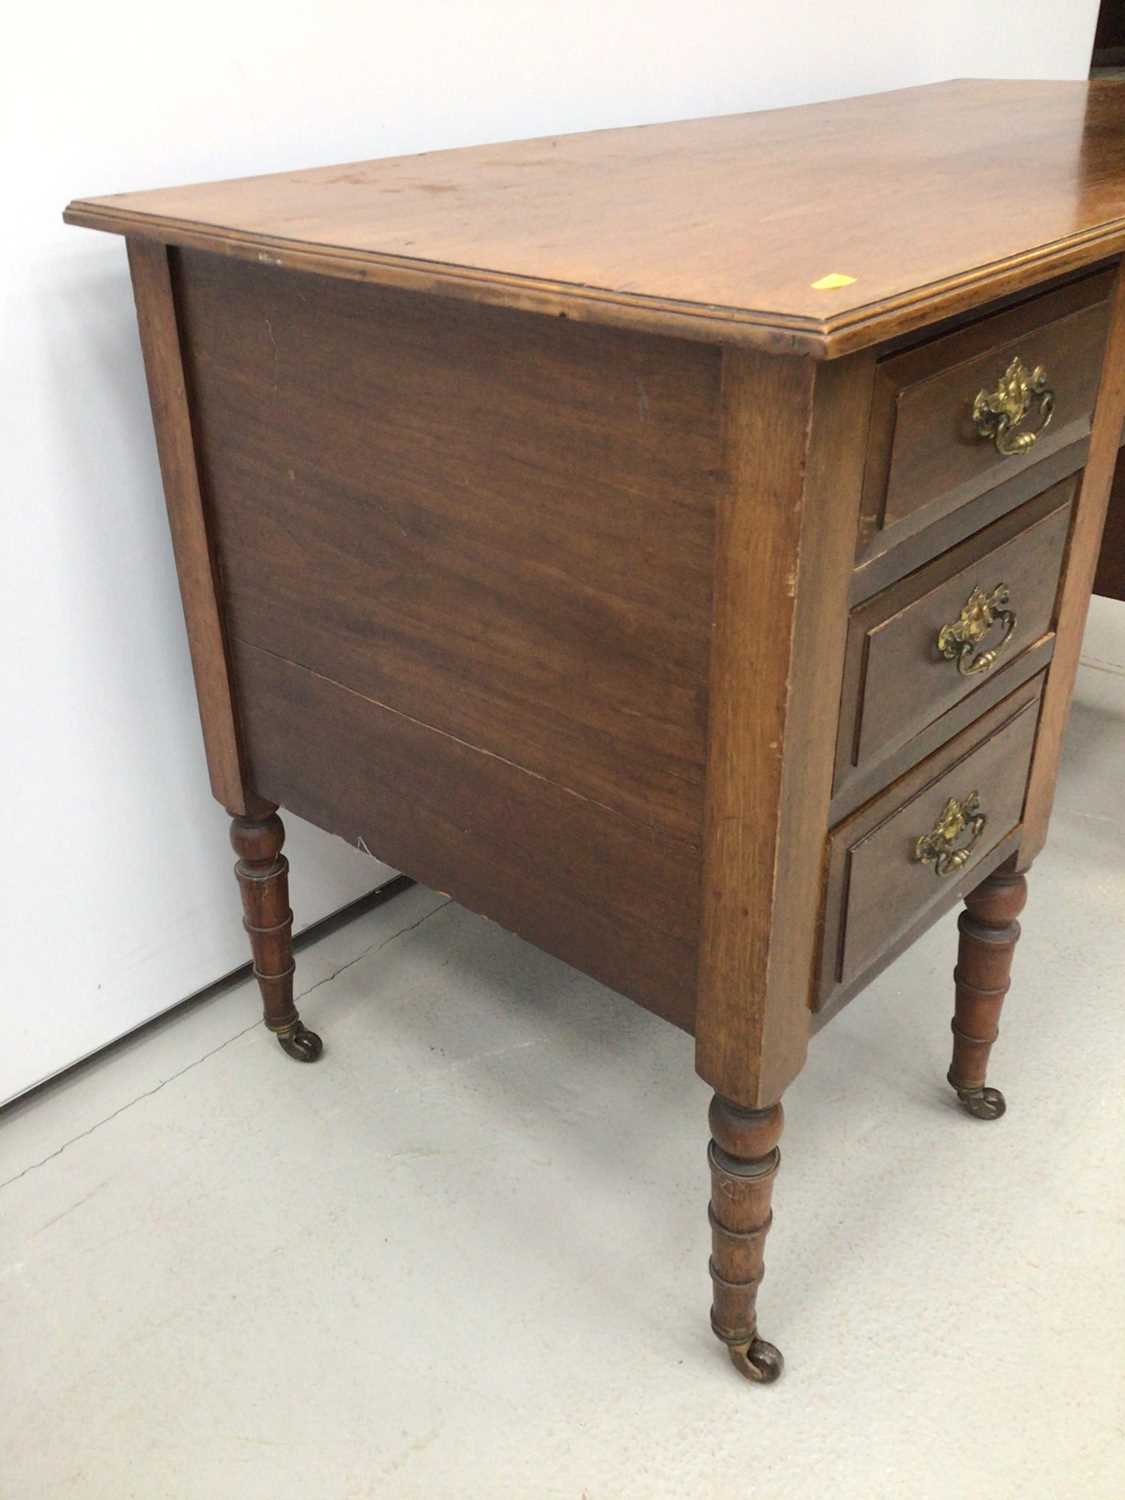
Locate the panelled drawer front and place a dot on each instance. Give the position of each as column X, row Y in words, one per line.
column 879, row 886
column 914, row 651
column 926, row 456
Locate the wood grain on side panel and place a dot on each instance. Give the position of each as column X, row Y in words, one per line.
column 598, row 890
column 495, row 524
column 171, row 417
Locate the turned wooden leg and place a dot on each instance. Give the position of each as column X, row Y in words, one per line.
column 744, row 1158
column 989, row 932
column 263, row 876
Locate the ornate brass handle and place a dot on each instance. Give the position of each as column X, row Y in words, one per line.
column 940, row 847
column 997, row 414
column 958, row 641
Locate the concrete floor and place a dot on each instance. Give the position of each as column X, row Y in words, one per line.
column 465, row 1255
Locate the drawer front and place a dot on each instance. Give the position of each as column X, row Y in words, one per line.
column 965, row 621
column 898, row 857
column 940, row 431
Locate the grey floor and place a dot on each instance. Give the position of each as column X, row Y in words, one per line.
column 465, row 1255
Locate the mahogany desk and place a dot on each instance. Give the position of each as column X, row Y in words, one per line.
column 674, row 542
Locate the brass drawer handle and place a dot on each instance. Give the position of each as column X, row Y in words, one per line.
column 997, row 414
column 940, row 846
column 958, row 642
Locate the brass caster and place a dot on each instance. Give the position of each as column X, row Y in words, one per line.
column 758, row 1361
column 982, row 1103
column 299, row 1042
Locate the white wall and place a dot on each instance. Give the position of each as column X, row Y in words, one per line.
column 118, row 894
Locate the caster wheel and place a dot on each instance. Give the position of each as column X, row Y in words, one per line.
column 299, row 1042
column 982, row 1104
column 759, row 1361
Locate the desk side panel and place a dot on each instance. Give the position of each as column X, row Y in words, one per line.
column 605, row 894
column 497, row 524
column 482, row 541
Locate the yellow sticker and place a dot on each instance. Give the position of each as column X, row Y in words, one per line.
column 830, row 282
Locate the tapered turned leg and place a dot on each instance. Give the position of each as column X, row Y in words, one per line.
column 989, row 932
column 263, row 876
column 744, row 1158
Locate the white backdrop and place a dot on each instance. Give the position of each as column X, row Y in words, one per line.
column 118, row 898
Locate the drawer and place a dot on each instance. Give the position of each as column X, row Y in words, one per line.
column 928, row 454
column 963, row 623
column 902, row 855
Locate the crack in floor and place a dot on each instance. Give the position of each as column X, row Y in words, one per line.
column 375, row 948
column 1082, row 812
column 370, row 951
column 1096, row 665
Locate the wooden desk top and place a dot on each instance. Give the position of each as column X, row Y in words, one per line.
column 926, row 199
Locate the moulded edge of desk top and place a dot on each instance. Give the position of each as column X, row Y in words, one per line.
column 778, row 333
